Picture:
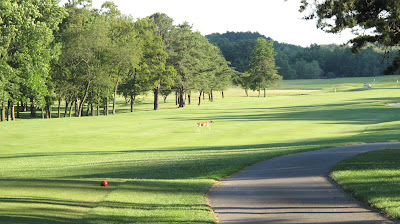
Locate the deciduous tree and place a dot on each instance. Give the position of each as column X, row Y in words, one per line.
column 85, row 51
column 262, row 66
column 26, row 48
column 153, row 62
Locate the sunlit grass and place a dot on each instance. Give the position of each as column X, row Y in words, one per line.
column 158, row 166
column 342, row 84
column 373, row 177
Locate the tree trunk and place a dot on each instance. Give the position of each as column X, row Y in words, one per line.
column 84, row 99
column 42, row 110
column 3, row 112
column 33, row 111
column 156, row 96
column 176, row 97
column 189, row 98
column 212, row 96
column 181, row 100
column 92, row 109
column 165, row 99
column 247, row 92
column 48, row 111
column 9, row 111
column 265, row 92
column 18, row 109
column 98, row 109
column 132, row 102
column 115, row 92
column 76, row 107
column 59, row 108
column 105, row 111
column 223, row 95
column 104, row 107
column 12, row 111
column 66, row 108
column 181, row 97
column 259, row 92
column 87, row 109
column 200, row 98
column 71, row 107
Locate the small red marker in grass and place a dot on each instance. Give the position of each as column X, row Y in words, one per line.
column 104, row 183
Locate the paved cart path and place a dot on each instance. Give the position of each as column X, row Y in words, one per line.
column 292, row 189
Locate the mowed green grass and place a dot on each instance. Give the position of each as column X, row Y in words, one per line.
column 374, row 178
column 159, row 168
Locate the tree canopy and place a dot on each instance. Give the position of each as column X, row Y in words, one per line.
column 380, row 20
column 84, row 56
column 26, row 48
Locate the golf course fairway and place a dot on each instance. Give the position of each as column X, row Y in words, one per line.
column 159, row 167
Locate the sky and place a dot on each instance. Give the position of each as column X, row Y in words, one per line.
column 277, row 19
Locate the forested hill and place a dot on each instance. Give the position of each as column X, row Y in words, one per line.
column 296, row 62
column 235, row 37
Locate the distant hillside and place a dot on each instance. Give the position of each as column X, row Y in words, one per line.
column 237, row 47
column 235, row 36
column 296, row 62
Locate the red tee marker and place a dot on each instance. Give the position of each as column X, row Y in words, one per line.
column 104, row 183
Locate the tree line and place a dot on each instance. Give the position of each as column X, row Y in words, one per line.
column 85, row 57
column 295, row 62
column 378, row 18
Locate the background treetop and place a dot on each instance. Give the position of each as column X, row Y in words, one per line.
column 373, row 21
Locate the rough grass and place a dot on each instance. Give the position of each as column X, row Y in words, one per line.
column 158, row 167
column 374, row 178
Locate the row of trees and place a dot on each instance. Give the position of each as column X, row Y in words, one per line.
column 333, row 61
column 296, row 62
column 85, row 57
column 27, row 46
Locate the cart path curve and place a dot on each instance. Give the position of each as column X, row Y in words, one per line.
column 293, row 189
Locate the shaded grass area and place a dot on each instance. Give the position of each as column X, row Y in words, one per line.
column 158, row 167
column 77, row 201
column 374, row 178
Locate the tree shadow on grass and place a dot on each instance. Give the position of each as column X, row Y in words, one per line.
column 184, row 162
column 187, row 163
column 343, row 113
column 52, row 209
column 167, row 177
